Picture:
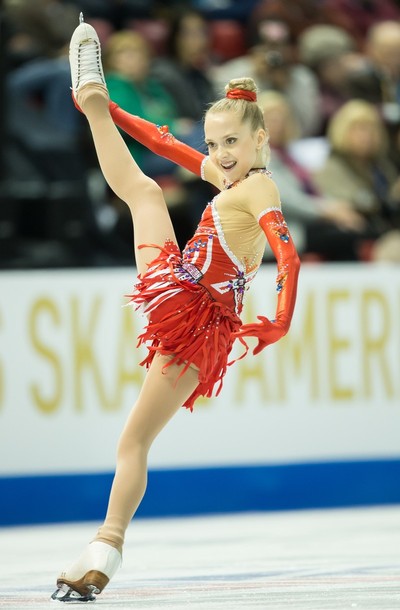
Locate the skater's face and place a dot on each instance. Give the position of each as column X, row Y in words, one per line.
column 232, row 145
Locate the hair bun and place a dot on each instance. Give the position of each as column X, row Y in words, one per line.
column 244, row 84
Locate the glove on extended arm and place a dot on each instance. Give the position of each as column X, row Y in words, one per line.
column 280, row 241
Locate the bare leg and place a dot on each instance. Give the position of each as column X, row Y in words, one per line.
column 162, row 393
column 160, row 397
column 151, row 221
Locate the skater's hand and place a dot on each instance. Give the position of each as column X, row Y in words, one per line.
column 266, row 331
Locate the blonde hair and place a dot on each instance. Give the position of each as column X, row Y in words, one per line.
column 248, row 111
column 353, row 112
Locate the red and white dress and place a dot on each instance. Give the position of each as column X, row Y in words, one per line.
column 193, row 298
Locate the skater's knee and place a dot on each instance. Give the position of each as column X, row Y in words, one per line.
column 133, row 445
column 139, row 432
column 144, row 190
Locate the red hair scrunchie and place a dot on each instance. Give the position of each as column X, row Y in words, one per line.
column 242, row 94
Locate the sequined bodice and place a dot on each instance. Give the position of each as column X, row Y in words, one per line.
column 208, row 260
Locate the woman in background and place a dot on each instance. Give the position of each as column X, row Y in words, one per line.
column 322, row 225
column 359, row 170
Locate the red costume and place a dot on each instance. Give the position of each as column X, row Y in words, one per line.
column 193, row 299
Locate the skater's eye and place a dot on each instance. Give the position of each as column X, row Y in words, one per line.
column 210, row 145
column 231, row 141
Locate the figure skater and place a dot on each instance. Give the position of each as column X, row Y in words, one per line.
column 192, row 299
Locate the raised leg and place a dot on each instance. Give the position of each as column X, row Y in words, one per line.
column 151, row 220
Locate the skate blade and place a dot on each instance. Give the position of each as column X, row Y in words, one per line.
column 66, row 594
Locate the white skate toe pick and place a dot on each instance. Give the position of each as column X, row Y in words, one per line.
column 88, row 576
column 85, row 57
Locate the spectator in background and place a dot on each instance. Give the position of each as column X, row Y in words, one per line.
column 184, row 71
column 354, row 16
column 330, row 52
column 358, row 17
column 36, row 29
column 271, row 64
column 359, row 170
column 297, row 15
column 374, row 76
column 45, row 162
column 127, row 61
column 37, row 49
column 37, row 91
column 326, row 226
column 383, row 52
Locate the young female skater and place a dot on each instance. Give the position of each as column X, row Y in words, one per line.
column 192, row 299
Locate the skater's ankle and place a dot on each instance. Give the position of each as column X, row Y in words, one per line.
column 111, row 542
column 92, row 93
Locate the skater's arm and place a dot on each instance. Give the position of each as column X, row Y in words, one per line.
column 159, row 140
column 272, row 222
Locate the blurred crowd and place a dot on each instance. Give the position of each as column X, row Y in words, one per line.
column 328, row 73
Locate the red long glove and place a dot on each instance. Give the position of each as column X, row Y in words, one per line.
column 157, row 139
column 278, row 236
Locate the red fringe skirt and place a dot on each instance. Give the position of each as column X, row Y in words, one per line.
column 185, row 322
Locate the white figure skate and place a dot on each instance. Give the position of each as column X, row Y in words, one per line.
column 85, row 57
column 88, row 576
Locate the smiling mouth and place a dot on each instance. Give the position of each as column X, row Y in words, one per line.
column 228, row 166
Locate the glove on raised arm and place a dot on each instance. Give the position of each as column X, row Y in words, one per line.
column 282, row 246
column 157, row 139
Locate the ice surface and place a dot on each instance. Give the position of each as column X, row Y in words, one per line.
column 319, row 560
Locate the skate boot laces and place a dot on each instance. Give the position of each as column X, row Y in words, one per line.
column 85, row 57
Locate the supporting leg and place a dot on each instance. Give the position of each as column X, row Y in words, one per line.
column 161, row 396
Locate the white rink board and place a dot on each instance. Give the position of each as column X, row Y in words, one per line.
column 69, row 373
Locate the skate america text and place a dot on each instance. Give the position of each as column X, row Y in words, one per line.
column 343, row 346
